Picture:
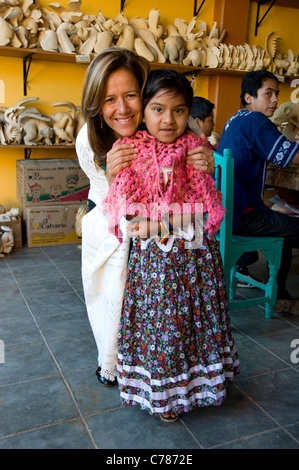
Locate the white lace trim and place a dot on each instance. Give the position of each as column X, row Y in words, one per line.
column 109, row 374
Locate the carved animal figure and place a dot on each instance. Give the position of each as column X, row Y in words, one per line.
column 12, row 128
column 2, row 123
column 281, row 63
column 293, row 63
column 271, row 48
column 64, row 124
column 287, row 113
column 126, row 38
column 63, row 32
column 196, row 58
column 79, row 120
column 82, row 211
column 6, row 32
column 36, row 128
column 7, row 240
column 174, row 49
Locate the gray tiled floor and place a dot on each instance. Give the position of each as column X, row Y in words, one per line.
column 51, row 399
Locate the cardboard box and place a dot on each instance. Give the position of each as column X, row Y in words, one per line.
column 50, row 225
column 16, row 226
column 51, row 181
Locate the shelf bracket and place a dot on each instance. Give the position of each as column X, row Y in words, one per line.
column 26, row 66
column 258, row 21
column 27, row 153
column 196, row 11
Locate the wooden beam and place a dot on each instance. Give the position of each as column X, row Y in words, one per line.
column 224, row 90
column 232, row 15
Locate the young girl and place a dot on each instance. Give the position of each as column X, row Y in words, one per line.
column 176, row 351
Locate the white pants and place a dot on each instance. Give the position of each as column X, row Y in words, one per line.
column 104, row 270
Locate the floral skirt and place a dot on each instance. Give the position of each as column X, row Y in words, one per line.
column 176, row 351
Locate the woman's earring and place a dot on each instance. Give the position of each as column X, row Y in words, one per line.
column 101, row 123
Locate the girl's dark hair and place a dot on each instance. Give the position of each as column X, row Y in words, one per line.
column 167, row 79
column 253, row 81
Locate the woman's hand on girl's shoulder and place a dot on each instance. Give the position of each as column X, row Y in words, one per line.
column 202, row 157
column 119, row 157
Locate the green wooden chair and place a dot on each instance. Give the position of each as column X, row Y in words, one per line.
column 233, row 246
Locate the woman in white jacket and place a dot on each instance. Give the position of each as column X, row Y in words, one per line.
column 112, row 109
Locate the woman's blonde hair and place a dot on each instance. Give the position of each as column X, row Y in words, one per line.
column 101, row 137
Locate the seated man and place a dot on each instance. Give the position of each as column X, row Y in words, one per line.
column 254, row 141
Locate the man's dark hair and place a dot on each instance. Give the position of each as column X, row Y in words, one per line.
column 202, row 108
column 253, row 81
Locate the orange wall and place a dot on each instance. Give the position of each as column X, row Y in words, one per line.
column 225, row 91
column 56, row 81
column 52, row 82
column 284, row 21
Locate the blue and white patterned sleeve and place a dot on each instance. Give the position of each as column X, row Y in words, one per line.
column 274, row 146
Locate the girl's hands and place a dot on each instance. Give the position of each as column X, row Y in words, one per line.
column 119, row 157
column 202, row 157
column 143, row 229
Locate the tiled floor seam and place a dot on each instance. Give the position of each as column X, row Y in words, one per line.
column 191, row 433
column 43, row 426
column 69, row 390
column 41, row 294
column 262, row 374
column 72, row 289
column 288, row 321
column 57, row 267
column 56, row 338
column 262, row 306
column 278, row 425
column 42, row 377
column 33, row 379
column 65, row 382
column 249, row 436
column 266, row 349
column 265, row 434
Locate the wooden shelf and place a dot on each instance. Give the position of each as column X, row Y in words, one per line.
column 28, row 54
column 38, row 146
column 73, row 58
column 195, row 70
column 38, row 54
column 28, row 148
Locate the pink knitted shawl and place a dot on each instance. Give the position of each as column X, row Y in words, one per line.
column 138, row 189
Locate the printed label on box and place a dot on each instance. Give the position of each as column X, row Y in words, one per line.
column 51, row 181
column 51, row 225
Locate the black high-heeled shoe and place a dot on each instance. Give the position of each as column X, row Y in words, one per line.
column 106, row 382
